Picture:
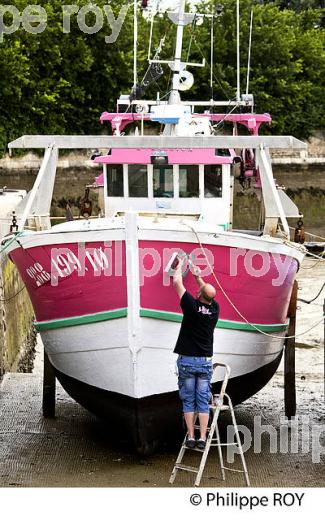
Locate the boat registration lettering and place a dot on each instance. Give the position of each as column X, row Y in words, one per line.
column 38, row 274
column 64, row 262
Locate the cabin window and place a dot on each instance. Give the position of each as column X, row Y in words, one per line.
column 189, row 181
column 115, row 185
column 163, row 182
column 138, row 180
column 212, row 180
column 222, row 152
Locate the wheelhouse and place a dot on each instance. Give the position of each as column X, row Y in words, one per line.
column 181, row 182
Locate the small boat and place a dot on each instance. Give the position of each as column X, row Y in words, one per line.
column 9, row 200
column 103, row 297
column 315, row 247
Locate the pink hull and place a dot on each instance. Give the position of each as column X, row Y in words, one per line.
column 261, row 299
column 78, row 293
column 259, row 296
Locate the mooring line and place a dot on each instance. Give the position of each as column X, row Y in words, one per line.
column 234, row 306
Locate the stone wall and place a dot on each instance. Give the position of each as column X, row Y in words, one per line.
column 305, row 185
column 17, row 332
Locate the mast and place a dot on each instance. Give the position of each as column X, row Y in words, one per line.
column 180, row 18
column 177, row 66
column 238, row 52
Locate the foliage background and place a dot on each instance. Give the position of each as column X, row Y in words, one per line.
column 60, row 83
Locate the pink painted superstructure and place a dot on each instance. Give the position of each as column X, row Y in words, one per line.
column 196, row 156
column 119, row 121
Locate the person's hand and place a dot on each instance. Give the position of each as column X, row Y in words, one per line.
column 197, row 271
column 194, row 268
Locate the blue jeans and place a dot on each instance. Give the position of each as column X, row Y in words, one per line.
column 194, row 377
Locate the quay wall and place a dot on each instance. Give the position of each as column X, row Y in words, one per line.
column 17, row 332
column 304, row 180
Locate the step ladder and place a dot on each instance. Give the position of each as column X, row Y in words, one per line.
column 213, row 438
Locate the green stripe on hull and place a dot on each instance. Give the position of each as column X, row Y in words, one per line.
column 148, row 313
column 81, row 320
column 222, row 324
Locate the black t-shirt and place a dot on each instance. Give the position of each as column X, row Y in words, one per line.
column 198, row 324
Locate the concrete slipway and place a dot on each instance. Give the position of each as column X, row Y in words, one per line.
column 74, row 449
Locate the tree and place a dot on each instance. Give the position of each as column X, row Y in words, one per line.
column 56, row 82
column 288, row 63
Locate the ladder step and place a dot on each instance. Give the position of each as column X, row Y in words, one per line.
column 193, row 449
column 235, row 470
column 225, row 444
column 186, row 468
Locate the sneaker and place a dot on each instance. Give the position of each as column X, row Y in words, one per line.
column 190, row 443
column 201, row 444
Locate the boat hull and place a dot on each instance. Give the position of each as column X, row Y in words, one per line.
column 98, row 354
column 109, row 324
column 149, row 422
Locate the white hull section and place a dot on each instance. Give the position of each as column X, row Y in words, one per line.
column 98, row 354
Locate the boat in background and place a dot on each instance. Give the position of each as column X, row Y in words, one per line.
column 103, row 299
column 10, row 199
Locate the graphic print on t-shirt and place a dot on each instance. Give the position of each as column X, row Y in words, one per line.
column 204, row 310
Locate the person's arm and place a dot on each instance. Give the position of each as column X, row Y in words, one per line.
column 178, row 279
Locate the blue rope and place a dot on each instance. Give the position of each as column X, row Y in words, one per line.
column 7, row 244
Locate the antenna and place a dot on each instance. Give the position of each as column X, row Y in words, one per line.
column 212, row 53
column 249, row 52
column 216, row 12
column 151, row 34
column 238, row 52
column 135, row 44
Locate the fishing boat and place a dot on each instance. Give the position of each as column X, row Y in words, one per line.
column 102, row 289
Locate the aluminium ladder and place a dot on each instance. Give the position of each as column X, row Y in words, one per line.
column 213, row 439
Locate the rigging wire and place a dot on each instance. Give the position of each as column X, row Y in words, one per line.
column 314, row 265
column 191, row 39
column 313, row 299
column 207, row 61
column 154, row 12
column 291, row 244
column 5, row 300
column 220, row 123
